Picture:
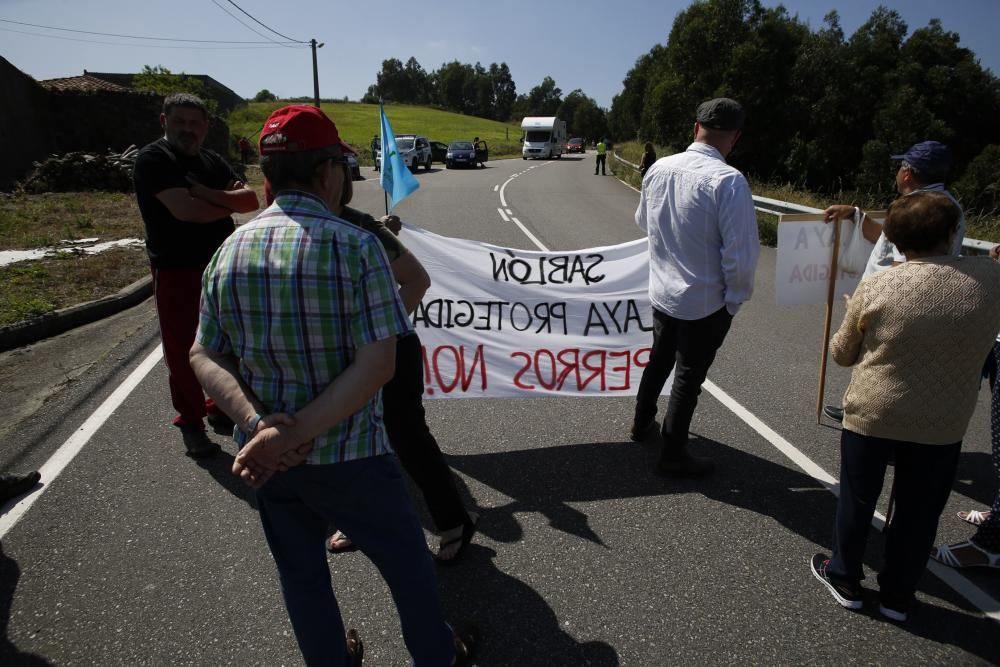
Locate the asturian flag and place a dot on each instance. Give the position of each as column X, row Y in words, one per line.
column 395, row 179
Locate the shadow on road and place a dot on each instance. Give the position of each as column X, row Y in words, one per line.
column 547, row 480
column 10, row 654
column 519, row 627
column 221, row 469
column 975, row 478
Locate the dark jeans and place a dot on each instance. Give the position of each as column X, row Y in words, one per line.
column 601, row 162
column 368, row 499
column 411, row 438
column 688, row 347
column 924, row 475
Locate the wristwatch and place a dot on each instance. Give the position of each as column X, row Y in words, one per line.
column 253, row 423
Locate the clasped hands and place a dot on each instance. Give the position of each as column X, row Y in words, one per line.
column 274, row 447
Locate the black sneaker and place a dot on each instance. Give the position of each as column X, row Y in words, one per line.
column 846, row 595
column 834, row 413
column 220, row 423
column 893, row 608
column 12, row 486
column 643, row 432
column 198, row 444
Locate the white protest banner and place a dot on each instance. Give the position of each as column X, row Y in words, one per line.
column 802, row 270
column 498, row 322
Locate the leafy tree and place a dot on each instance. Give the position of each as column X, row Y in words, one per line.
column 503, row 89
column 265, row 95
column 162, row 81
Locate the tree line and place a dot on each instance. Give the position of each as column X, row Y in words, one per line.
column 824, row 111
column 485, row 92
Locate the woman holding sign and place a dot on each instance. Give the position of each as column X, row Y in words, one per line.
column 916, row 335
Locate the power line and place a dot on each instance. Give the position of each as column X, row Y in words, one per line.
column 265, row 26
column 248, row 27
column 158, row 39
column 260, row 45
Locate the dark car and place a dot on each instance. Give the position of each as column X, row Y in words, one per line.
column 352, row 164
column 576, row 145
column 439, row 151
column 460, row 154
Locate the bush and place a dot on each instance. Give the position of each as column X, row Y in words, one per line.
column 979, row 187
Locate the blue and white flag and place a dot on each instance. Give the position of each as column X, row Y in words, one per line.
column 395, row 179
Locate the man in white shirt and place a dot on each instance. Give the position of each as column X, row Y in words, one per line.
column 703, row 248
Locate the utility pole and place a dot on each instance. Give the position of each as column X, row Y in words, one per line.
column 312, row 42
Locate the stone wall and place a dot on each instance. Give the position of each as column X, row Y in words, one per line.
column 25, row 124
column 35, row 123
column 98, row 121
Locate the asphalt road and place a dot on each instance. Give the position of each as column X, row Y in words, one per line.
column 137, row 555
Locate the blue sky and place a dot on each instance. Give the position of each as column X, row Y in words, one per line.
column 585, row 44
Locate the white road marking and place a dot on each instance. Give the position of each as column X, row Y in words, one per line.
column 530, row 235
column 495, row 188
column 503, row 215
column 75, row 443
column 975, row 595
column 951, row 577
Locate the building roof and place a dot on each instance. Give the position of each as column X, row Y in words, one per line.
column 84, row 83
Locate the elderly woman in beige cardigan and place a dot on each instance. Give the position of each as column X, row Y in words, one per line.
column 916, row 336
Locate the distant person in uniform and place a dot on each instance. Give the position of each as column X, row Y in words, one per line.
column 375, row 143
column 186, row 195
column 245, row 149
column 648, row 158
column 698, row 214
column 602, row 158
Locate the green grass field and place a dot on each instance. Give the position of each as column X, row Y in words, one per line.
column 358, row 122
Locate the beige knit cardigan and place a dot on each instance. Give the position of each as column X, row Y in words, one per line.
column 917, row 336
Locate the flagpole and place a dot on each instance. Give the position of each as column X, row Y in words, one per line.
column 830, row 290
column 381, row 134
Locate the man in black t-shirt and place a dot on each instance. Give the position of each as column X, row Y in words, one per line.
column 186, row 195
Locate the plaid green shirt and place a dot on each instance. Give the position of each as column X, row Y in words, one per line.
column 293, row 294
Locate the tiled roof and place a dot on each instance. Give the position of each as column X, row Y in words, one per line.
column 84, row 83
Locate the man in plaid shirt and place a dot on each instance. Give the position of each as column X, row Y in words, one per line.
column 298, row 327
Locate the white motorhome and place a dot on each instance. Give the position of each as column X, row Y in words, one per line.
column 544, row 136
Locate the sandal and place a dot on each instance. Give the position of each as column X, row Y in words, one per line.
column 355, row 648
column 466, row 644
column 975, row 517
column 340, row 543
column 461, row 539
column 944, row 554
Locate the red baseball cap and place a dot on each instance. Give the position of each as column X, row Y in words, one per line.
column 299, row 127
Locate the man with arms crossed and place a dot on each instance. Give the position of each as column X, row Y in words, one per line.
column 300, row 315
column 703, row 248
column 187, row 195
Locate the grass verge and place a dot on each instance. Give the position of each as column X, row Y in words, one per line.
column 32, row 289
column 36, row 221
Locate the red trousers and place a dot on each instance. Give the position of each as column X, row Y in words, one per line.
column 177, row 293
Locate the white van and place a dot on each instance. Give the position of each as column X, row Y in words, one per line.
column 544, row 137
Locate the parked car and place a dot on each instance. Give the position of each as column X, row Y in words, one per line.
column 439, row 151
column 414, row 149
column 352, row 164
column 576, row 145
column 460, row 154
